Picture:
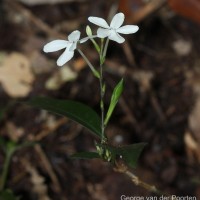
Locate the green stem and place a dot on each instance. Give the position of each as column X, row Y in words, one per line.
column 5, row 168
column 105, row 48
column 102, row 88
column 94, row 71
column 102, row 104
column 101, row 48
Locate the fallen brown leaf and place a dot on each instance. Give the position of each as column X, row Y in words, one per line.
column 61, row 76
column 192, row 148
column 182, row 47
column 16, row 76
column 39, row 186
column 14, row 132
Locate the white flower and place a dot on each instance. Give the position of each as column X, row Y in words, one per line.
column 112, row 31
column 69, row 47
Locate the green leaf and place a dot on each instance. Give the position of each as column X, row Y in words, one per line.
column 8, row 195
column 85, row 155
column 76, row 111
column 114, row 99
column 129, row 153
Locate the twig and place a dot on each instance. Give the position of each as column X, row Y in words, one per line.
column 44, row 159
column 33, row 19
column 157, row 107
column 129, row 114
column 48, row 167
column 38, row 182
column 40, row 2
column 46, row 132
column 121, row 168
column 146, row 10
column 129, row 55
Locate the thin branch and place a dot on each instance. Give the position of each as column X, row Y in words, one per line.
column 33, row 19
column 122, row 168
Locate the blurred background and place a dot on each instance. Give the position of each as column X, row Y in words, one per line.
column 160, row 104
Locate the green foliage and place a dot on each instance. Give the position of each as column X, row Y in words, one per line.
column 76, row 111
column 114, row 99
column 87, row 117
column 9, row 147
column 129, row 153
column 8, row 195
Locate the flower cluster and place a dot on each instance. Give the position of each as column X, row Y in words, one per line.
column 112, row 32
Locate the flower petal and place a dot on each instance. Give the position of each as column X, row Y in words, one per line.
column 65, row 57
column 116, row 37
column 55, row 46
column 98, row 21
column 117, row 21
column 74, row 36
column 87, row 38
column 128, row 29
column 102, row 32
column 73, row 46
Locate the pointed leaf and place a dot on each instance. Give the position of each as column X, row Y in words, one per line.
column 114, row 99
column 85, row 155
column 129, row 153
column 75, row 111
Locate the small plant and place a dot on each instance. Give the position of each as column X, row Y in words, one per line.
column 9, row 147
column 121, row 157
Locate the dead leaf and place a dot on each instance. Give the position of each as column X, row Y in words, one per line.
column 60, row 77
column 144, row 78
column 182, row 47
column 79, row 64
column 16, row 76
column 96, row 191
column 39, row 186
column 192, row 147
column 14, row 132
column 40, row 64
column 187, row 8
column 192, row 139
column 2, row 57
column 194, row 120
column 193, row 79
column 39, row 2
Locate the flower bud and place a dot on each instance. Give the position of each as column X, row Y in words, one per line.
column 88, row 31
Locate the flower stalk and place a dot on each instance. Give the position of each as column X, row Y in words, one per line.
column 102, row 92
column 10, row 150
column 94, row 71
